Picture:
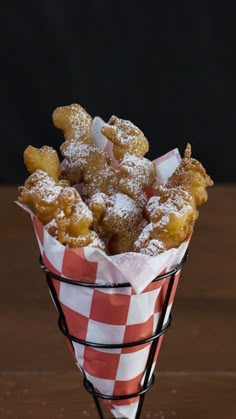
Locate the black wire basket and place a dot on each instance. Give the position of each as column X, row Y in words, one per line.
column 161, row 328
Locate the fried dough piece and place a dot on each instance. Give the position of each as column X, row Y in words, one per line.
column 83, row 161
column 136, row 175
column 61, row 210
column 119, row 219
column 126, row 137
column 75, row 123
column 40, row 192
column 73, row 220
column 90, row 165
column 41, row 189
column 44, row 158
column 191, row 176
column 171, row 222
column 130, row 145
column 173, row 212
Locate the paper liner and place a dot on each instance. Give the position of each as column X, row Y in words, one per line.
column 108, row 316
column 112, row 315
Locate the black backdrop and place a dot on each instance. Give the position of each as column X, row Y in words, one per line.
column 169, row 67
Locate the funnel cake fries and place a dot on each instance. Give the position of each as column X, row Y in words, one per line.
column 42, row 188
column 119, row 219
column 40, row 192
column 83, row 161
column 61, row 210
column 113, row 212
column 191, row 176
column 44, row 158
column 130, row 145
column 72, row 221
column 172, row 213
column 126, row 137
column 171, row 221
column 75, row 123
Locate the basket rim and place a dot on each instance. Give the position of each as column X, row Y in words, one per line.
column 78, row 282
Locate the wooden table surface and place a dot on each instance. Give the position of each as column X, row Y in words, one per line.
column 196, row 369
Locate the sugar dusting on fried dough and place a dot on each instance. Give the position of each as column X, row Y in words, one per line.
column 84, row 162
column 172, row 212
column 112, row 211
column 137, row 173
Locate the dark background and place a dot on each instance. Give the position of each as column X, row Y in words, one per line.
column 169, row 67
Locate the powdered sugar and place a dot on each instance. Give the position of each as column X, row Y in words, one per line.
column 128, row 135
column 44, row 186
column 137, row 167
column 153, row 248
column 76, row 153
column 122, row 206
column 96, row 241
column 81, row 211
column 79, row 122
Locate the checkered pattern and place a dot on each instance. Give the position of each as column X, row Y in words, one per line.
column 115, row 315
column 110, row 315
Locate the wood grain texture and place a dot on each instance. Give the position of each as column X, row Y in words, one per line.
column 196, row 369
column 58, row 395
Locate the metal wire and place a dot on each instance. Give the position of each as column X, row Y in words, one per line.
column 154, row 339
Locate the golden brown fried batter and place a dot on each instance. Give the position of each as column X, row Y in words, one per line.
column 91, row 166
column 170, row 223
column 44, row 158
column 119, row 219
column 61, row 209
column 73, row 220
column 191, row 176
column 40, row 192
column 83, row 161
column 130, row 145
column 173, row 211
column 137, row 174
column 75, row 123
column 119, row 213
column 126, row 137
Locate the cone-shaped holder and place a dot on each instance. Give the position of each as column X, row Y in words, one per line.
column 161, row 328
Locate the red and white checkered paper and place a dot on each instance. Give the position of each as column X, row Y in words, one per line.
column 112, row 315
